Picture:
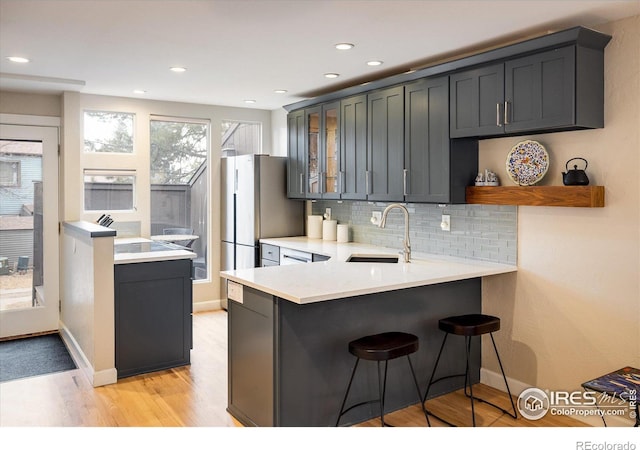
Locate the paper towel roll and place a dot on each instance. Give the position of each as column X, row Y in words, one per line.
column 314, row 227
column 329, row 230
column 343, row 232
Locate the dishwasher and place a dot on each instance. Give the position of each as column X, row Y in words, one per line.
column 289, row 256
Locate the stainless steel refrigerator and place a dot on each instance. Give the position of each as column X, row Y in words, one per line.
column 254, row 206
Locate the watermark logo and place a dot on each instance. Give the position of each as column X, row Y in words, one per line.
column 533, row 403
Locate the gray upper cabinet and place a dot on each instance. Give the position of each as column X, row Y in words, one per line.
column 540, row 91
column 477, row 98
column 385, row 145
column 555, row 90
column 426, row 157
column 353, row 148
column 413, row 137
column 296, row 164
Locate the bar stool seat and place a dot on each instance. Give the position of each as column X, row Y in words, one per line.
column 382, row 347
column 470, row 325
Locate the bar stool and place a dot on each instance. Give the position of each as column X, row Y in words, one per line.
column 382, row 347
column 468, row 326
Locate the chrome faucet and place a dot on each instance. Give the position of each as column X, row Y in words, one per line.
column 407, row 245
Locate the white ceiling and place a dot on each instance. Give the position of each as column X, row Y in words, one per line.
column 245, row 49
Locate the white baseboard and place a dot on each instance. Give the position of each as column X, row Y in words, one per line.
column 210, row 305
column 494, row 380
column 96, row 379
column 104, row 377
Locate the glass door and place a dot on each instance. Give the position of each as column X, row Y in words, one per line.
column 29, row 295
column 313, row 156
column 330, row 151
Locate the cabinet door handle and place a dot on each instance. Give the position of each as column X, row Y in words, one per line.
column 498, row 115
column 366, row 182
column 506, row 113
column 302, row 183
column 342, row 181
column 404, row 181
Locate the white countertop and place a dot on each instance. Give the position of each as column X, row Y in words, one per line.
column 336, row 278
column 151, row 256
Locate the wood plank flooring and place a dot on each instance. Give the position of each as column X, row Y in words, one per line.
column 196, row 396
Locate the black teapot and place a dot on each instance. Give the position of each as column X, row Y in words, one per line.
column 575, row 176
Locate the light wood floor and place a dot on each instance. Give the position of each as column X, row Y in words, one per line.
column 196, row 395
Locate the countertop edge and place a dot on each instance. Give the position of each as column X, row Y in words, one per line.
column 89, row 229
column 485, row 272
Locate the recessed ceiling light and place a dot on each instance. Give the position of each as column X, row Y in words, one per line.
column 250, row 101
column 178, row 69
column 139, row 91
column 331, row 75
column 374, row 63
column 280, row 91
column 17, row 59
column 344, row 46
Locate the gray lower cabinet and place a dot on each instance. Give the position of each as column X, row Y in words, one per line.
column 251, row 333
column 153, row 323
column 289, row 364
column 270, row 255
column 555, row 90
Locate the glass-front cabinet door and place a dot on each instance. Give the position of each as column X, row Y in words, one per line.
column 331, row 151
column 323, row 151
column 313, row 155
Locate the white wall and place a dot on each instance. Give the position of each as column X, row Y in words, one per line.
column 572, row 311
column 279, row 132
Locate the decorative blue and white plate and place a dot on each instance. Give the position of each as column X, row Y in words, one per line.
column 527, row 163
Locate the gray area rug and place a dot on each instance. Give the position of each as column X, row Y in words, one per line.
column 33, row 356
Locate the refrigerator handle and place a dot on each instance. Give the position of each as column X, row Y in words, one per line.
column 235, row 182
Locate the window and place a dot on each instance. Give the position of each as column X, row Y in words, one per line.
column 241, row 138
column 180, row 184
column 108, row 132
column 109, row 190
column 9, row 173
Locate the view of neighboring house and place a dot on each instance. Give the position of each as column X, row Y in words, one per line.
column 20, row 172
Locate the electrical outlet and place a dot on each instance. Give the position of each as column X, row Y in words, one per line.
column 327, row 213
column 376, row 217
column 445, row 224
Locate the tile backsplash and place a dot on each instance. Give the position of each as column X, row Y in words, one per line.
column 484, row 232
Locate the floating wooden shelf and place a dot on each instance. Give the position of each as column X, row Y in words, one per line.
column 576, row 196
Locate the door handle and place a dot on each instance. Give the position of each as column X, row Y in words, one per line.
column 342, row 181
column 498, row 115
column 302, row 183
column 235, row 182
column 366, row 182
column 404, row 181
column 506, row 113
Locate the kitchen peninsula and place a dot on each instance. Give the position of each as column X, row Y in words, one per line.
column 289, row 327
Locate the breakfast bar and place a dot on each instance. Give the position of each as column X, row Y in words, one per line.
column 289, row 327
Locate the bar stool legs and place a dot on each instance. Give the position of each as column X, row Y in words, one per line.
column 382, row 347
column 469, row 326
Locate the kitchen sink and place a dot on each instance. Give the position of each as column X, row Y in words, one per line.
column 373, row 258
